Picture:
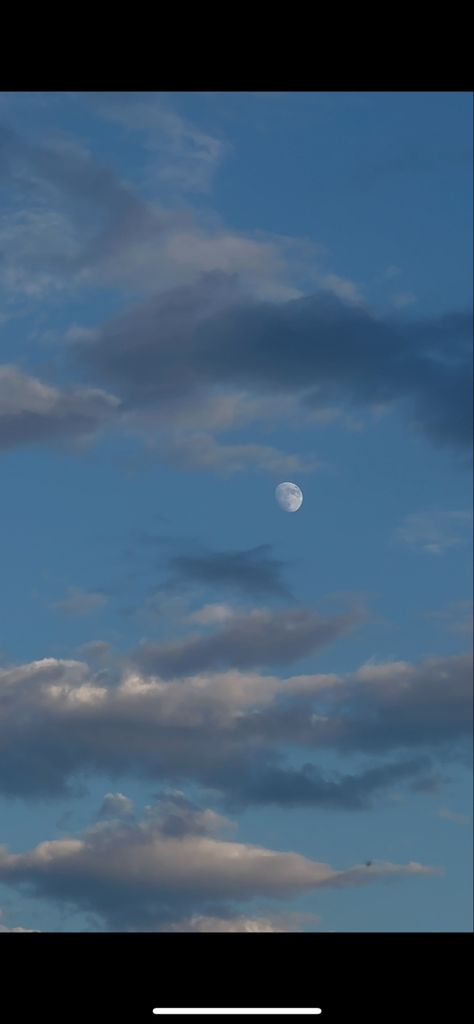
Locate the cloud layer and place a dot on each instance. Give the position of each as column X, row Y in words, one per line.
column 139, row 875
column 230, row 730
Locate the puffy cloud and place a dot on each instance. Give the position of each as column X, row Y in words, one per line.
column 133, row 875
column 228, row 731
column 116, row 805
column 31, row 411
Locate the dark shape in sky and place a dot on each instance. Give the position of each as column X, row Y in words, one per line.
column 252, row 571
column 190, row 339
column 258, row 638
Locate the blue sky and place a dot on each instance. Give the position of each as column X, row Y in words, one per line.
column 202, row 295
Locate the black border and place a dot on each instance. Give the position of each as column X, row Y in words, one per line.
column 122, row 977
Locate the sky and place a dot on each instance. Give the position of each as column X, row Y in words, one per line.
column 216, row 715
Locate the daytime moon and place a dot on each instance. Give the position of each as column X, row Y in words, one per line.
column 289, row 496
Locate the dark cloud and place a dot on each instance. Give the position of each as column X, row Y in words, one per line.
column 193, row 338
column 257, row 638
column 309, row 786
column 32, row 411
column 252, row 571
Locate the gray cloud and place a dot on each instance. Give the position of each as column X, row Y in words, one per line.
column 192, row 339
column 116, row 805
column 309, row 786
column 102, row 215
column 134, row 875
column 180, row 154
column 252, row 571
column 230, row 731
column 212, row 334
column 257, row 638
column 32, row 411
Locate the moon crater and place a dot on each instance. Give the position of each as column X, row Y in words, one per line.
column 289, row 496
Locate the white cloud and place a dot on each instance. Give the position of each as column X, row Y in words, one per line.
column 291, row 922
column 341, row 287
column 5, row 928
column 210, row 614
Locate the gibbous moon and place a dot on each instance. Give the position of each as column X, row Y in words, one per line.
column 289, row 496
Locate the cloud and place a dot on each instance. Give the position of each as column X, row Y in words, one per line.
column 74, row 222
column 202, row 451
column 458, row 819
column 247, row 640
column 181, row 343
column 228, row 311
column 210, row 614
column 252, row 571
column 31, row 411
column 309, row 786
column 290, row 922
column 230, row 731
column 435, row 530
column 341, row 287
column 180, row 153
column 116, row 805
column 96, row 650
column 4, row 928
column 80, row 602
column 391, row 272
column 404, row 299
column 456, row 617
column 135, row 874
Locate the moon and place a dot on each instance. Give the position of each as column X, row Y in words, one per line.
column 289, row 496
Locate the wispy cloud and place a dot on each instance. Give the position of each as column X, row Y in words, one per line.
column 435, row 530
column 80, row 602
column 181, row 154
column 457, row 819
column 456, row 617
column 403, row 299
